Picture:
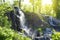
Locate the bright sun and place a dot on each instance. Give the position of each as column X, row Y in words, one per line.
column 26, row 2
column 46, row 2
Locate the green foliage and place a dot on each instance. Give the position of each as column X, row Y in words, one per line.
column 58, row 9
column 3, row 18
column 56, row 36
column 8, row 34
column 16, row 3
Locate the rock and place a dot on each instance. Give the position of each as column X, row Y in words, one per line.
column 48, row 33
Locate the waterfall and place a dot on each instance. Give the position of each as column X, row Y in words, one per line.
column 22, row 21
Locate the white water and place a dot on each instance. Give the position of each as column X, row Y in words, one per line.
column 23, row 22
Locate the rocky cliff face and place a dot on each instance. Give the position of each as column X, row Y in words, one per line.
column 34, row 20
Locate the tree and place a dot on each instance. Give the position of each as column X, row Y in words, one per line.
column 20, row 3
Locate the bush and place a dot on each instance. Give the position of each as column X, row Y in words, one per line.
column 3, row 18
column 56, row 36
column 8, row 34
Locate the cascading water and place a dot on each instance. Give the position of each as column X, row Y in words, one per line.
column 22, row 20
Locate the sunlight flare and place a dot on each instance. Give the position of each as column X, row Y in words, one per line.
column 26, row 2
column 46, row 2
